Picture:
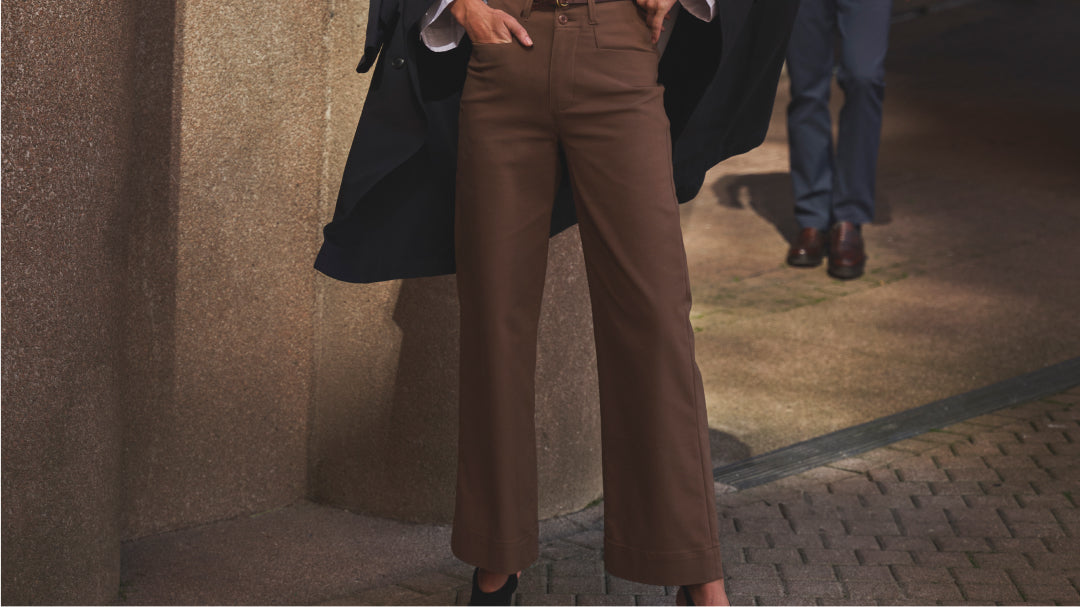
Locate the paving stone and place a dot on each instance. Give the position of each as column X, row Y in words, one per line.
column 787, row 600
column 852, row 542
column 750, row 571
column 940, row 501
column 1012, row 562
column 1028, row 514
column 991, row 593
column 916, row 574
column 1046, row 586
column 956, row 462
column 830, row 556
column 922, row 474
column 746, row 539
column 797, row 540
column 955, row 560
column 773, row 555
column 576, row 584
column 529, row 598
column 973, row 474
column 840, row 502
column 1053, row 501
column 956, row 488
column 883, row 557
column 981, row 576
column 810, row 571
column 871, row 527
column 1038, row 530
column 762, row 526
column 886, row 502
column 945, row 593
column 576, row 568
column 829, row 526
column 976, row 449
column 1014, row 487
column 1026, row 449
column 817, row 588
column 604, row 599
column 908, row 544
column 755, row 586
column 864, row 573
column 979, row 525
column 617, row 585
column 921, row 515
column 561, row 549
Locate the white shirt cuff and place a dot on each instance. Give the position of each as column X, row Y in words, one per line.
column 702, row 9
column 441, row 32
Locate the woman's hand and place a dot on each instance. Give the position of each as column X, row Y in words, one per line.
column 656, row 11
column 486, row 25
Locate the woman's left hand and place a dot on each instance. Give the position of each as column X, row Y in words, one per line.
column 656, row 11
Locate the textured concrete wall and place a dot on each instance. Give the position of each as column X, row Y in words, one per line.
column 384, row 418
column 66, row 141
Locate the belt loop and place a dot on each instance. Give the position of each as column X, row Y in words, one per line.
column 527, row 9
column 592, row 12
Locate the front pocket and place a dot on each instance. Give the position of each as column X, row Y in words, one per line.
column 623, row 29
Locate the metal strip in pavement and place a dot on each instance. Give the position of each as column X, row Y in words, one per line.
column 849, row 442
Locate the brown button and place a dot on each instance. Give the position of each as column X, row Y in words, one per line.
column 563, row 19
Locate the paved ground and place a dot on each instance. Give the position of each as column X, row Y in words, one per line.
column 982, row 512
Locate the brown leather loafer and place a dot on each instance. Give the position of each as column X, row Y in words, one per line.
column 847, row 256
column 808, row 250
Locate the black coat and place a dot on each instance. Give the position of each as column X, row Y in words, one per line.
column 395, row 209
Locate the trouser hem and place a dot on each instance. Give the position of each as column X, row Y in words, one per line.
column 500, row 556
column 663, row 568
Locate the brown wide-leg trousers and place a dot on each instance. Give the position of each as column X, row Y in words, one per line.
column 588, row 86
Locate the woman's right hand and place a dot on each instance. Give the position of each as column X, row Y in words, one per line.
column 486, row 25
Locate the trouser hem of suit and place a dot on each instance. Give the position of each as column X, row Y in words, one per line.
column 663, row 568
column 494, row 554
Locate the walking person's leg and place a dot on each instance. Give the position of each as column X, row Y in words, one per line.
column 809, row 68
column 864, row 40
column 660, row 524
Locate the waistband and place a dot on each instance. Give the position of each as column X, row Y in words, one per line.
column 539, row 5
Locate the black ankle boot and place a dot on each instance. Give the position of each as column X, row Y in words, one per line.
column 502, row 596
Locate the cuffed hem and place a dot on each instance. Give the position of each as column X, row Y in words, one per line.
column 492, row 554
column 663, row 568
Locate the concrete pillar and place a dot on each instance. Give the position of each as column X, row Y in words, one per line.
column 227, row 433
column 65, row 148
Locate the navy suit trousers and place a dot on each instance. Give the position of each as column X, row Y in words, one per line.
column 829, row 186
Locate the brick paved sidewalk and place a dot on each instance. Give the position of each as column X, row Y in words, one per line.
column 982, row 512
